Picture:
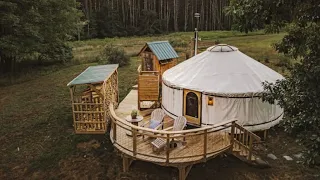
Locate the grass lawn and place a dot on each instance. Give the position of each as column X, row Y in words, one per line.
column 37, row 138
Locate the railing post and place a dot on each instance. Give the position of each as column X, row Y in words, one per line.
column 250, row 148
column 114, row 129
column 233, row 125
column 134, row 141
column 167, row 148
column 205, row 137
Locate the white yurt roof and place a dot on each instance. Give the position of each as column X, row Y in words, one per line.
column 221, row 70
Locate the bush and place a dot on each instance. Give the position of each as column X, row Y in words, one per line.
column 114, row 55
column 60, row 53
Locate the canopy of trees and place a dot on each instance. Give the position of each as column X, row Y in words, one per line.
column 36, row 29
column 138, row 17
column 299, row 94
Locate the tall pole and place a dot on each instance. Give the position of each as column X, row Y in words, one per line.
column 197, row 16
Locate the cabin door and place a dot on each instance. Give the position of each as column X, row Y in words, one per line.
column 192, row 106
column 148, row 62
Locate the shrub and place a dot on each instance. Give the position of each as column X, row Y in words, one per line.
column 114, row 55
column 61, row 53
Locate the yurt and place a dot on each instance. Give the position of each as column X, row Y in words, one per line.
column 220, row 84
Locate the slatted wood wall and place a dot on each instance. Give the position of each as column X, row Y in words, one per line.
column 148, row 87
column 90, row 106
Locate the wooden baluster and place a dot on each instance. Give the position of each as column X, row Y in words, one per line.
column 232, row 134
column 114, row 130
column 134, row 141
column 242, row 136
column 205, row 137
column 167, row 148
column 250, row 149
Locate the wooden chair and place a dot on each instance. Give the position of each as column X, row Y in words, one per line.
column 156, row 120
column 178, row 125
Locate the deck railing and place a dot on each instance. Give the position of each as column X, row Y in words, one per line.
column 243, row 140
column 201, row 143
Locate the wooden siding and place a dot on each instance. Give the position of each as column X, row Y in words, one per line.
column 148, row 87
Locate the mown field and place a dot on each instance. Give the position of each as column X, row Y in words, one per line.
column 36, row 133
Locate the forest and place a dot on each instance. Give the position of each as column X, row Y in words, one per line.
column 108, row 18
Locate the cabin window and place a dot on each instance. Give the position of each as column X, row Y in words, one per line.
column 192, row 105
column 148, row 62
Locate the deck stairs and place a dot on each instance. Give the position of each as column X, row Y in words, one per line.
column 243, row 142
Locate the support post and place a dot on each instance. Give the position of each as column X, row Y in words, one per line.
column 74, row 116
column 168, row 148
column 265, row 135
column 205, row 137
column 126, row 162
column 134, row 142
column 184, row 171
column 232, row 135
column 250, row 148
column 114, row 131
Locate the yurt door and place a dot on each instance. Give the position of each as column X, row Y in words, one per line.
column 192, row 106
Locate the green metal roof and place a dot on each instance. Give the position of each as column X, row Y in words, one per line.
column 163, row 50
column 94, row 74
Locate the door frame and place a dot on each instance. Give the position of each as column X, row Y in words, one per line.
column 190, row 119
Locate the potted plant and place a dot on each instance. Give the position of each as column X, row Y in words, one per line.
column 134, row 114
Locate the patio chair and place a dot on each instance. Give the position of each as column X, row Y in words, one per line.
column 156, row 120
column 178, row 125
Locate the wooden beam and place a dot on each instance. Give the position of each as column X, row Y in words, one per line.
column 134, row 142
column 126, row 162
column 73, row 114
column 184, row 171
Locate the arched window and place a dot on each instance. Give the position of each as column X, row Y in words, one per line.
column 192, row 105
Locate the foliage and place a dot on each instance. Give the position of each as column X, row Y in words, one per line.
column 56, row 53
column 251, row 15
column 299, row 93
column 114, row 55
column 134, row 113
column 246, row 15
column 36, row 27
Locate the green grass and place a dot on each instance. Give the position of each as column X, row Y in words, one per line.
column 35, row 113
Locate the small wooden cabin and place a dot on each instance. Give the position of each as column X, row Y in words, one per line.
column 158, row 56
column 91, row 93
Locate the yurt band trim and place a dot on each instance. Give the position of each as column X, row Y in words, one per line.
column 244, row 125
column 168, row 111
column 209, row 94
column 259, row 123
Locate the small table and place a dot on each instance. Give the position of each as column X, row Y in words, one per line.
column 134, row 121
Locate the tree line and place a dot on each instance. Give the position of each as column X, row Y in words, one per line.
column 108, row 18
column 36, row 31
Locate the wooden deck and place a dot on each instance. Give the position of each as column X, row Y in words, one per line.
column 191, row 146
column 192, row 151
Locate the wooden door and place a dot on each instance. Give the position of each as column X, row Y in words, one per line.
column 192, row 106
column 148, row 64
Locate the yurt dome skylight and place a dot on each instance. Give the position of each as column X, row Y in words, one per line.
column 222, row 48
